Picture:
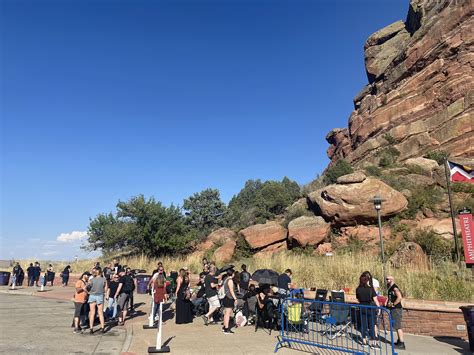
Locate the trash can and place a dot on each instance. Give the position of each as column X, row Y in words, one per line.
column 4, row 278
column 468, row 312
column 142, row 283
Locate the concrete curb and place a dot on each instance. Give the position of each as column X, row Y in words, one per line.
column 128, row 339
column 17, row 292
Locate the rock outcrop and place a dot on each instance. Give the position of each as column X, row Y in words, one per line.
column 349, row 204
column 219, row 236
column 262, row 235
column 409, row 254
column 224, row 253
column 304, row 231
column 425, row 165
column 420, row 95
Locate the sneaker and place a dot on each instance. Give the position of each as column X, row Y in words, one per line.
column 205, row 319
column 91, row 331
column 375, row 346
column 102, row 330
column 77, row 331
column 228, row 331
column 400, row 346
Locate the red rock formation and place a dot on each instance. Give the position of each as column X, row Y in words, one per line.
column 261, row 235
column 421, row 87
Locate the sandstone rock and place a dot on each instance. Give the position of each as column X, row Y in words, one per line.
column 304, row 231
column 426, row 165
column 443, row 227
column 421, row 89
column 406, row 193
column 366, row 234
column 409, row 254
column 323, row 249
column 224, row 253
column 262, row 235
column 416, row 179
column 355, row 177
column 219, row 236
column 350, row 204
column 301, row 204
column 274, row 248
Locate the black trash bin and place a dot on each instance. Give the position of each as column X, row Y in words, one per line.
column 4, row 278
column 468, row 312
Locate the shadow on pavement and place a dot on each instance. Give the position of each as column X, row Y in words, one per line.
column 461, row 345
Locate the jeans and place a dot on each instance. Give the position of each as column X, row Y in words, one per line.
column 111, row 308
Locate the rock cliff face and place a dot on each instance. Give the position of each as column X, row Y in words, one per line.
column 420, row 95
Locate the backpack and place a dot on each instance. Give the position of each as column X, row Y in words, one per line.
column 128, row 285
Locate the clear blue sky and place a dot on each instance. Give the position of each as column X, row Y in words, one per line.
column 103, row 100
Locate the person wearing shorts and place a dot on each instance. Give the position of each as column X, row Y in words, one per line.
column 210, row 286
column 97, row 290
column 80, row 299
column 122, row 295
column 229, row 301
column 394, row 304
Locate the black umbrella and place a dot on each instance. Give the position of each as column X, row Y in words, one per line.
column 265, row 276
column 224, row 269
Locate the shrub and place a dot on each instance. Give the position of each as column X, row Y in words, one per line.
column 462, row 187
column 415, row 169
column 439, row 156
column 422, row 197
column 438, row 248
column 242, row 249
column 388, row 156
column 389, row 138
column 295, row 213
column 373, row 170
column 341, row 168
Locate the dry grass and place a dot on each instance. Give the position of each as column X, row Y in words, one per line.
column 444, row 281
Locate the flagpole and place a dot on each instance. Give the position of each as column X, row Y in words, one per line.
column 453, row 218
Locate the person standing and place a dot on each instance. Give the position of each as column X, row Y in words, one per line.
column 111, row 312
column 65, row 275
column 50, row 274
column 80, row 298
column 394, row 304
column 116, row 266
column 21, row 276
column 97, row 291
column 244, row 279
column 37, row 273
column 16, row 274
column 366, row 296
column 184, row 307
column 31, row 274
column 125, row 288
column 159, row 293
column 284, row 280
column 230, row 300
column 210, row 286
column 107, row 271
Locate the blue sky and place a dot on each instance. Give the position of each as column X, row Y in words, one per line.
column 104, row 100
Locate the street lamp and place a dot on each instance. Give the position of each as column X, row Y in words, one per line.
column 377, row 200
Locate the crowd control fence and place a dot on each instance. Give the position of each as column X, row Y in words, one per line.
column 336, row 327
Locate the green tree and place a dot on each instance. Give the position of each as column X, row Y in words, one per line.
column 205, row 211
column 140, row 225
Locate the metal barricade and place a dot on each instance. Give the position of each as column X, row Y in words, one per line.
column 336, row 327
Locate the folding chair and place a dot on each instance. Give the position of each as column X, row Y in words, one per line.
column 338, row 321
column 296, row 319
column 316, row 308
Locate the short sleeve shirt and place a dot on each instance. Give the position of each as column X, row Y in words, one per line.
column 210, row 292
column 366, row 295
column 283, row 281
column 80, row 297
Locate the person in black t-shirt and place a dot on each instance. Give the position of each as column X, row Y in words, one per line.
column 394, row 304
column 202, row 288
column 210, row 286
column 125, row 288
column 284, row 280
column 366, row 295
column 112, row 300
column 31, row 274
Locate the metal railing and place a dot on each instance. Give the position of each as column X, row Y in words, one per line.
column 336, row 327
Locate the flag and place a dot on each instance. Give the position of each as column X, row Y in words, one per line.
column 460, row 173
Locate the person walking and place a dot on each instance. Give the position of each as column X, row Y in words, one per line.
column 184, row 307
column 31, row 275
column 97, row 290
column 244, row 279
column 230, row 300
column 125, row 288
column 210, row 286
column 366, row 295
column 394, row 304
column 65, row 275
column 159, row 293
column 80, row 299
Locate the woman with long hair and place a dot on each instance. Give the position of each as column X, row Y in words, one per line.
column 159, row 292
column 366, row 296
column 184, row 307
column 229, row 301
column 97, row 290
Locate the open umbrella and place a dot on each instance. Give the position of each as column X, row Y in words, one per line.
column 225, row 268
column 265, row 276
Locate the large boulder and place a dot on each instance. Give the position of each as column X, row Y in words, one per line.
column 224, row 253
column 271, row 249
column 353, row 178
column 441, row 226
column 349, row 204
column 304, row 231
column 409, row 255
column 219, row 236
column 323, row 249
column 367, row 234
column 299, row 205
column 262, row 235
column 425, row 165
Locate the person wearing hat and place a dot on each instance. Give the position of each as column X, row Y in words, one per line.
column 80, row 299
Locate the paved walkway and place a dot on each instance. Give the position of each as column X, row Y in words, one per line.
column 183, row 339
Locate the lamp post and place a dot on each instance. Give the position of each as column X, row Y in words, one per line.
column 377, row 200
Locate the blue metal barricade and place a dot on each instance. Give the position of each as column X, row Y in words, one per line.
column 334, row 326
